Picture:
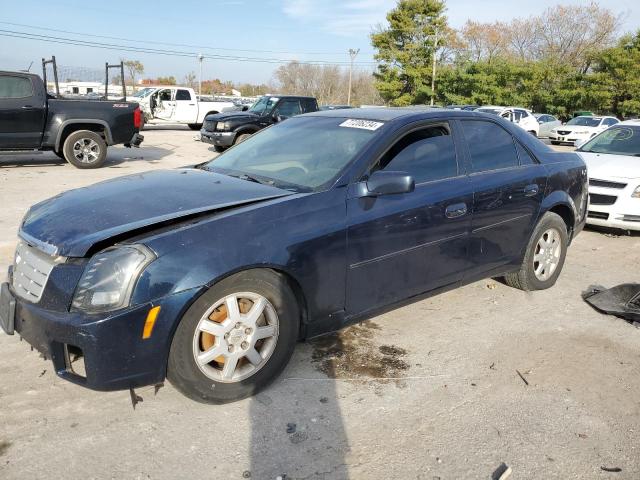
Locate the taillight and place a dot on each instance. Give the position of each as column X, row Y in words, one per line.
column 137, row 118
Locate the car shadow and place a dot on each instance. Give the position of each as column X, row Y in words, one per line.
column 297, row 429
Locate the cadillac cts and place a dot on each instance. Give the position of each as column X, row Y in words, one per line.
column 208, row 276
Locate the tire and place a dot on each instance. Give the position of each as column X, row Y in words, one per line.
column 95, row 154
column 241, row 138
column 195, row 126
column 236, row 337
column 554, row 142
column 527, row 278
column 532, row 132
column 219, row 149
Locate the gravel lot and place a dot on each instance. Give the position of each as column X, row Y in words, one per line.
column 428, row 391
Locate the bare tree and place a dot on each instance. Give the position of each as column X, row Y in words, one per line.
column 190, row 80
column 134, row 67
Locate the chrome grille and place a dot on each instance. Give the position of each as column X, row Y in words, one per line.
column 31, row 270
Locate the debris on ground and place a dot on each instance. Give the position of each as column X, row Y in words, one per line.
column 157, row 387
column 582, row 435
column 502, row 472
column 492, row 366
column 324, row 400
column 42, row 373
column 246, row 474
column 291, row 428
column 522, row 377
column 492, row 286
column 623, row 301
column 611, row 469
column 135, row 398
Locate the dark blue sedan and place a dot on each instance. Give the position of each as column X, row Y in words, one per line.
column 209, row 276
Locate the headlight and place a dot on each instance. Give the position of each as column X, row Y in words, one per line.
column 108, row 280
column 636, row 192
column 223, row 126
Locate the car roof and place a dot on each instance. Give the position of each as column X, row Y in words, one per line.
column 382, row 114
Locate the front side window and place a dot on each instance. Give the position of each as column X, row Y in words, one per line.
column 289, row 108
column 491, row 147
column 183, row 95
column 427, row 155
column 264, row 105
column 165, row 95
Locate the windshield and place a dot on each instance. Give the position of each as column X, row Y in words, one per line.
column 301, row 154
column 615, row 141
column 264, row 105
column 143, row 93
column 495, row 111
column 585, row 121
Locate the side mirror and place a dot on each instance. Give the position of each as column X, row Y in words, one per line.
column 387, row 183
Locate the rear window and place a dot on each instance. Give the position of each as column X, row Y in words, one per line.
column 15, row 87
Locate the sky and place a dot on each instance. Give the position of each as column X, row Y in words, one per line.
column 242, row 40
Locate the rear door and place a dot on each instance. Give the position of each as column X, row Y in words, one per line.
column 22, row 112
column 508, row 187
column 186, row 107
column 401, row 245
column 289, row 107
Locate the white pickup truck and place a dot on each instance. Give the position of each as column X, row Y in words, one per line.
column 173, row 105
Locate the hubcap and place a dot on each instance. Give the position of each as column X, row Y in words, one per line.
column 235, row 337
column 86, row 150
column 547, row 254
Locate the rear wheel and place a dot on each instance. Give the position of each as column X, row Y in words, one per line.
column 235, row 339
column 85, row 149
column 544, row 257
column 195, row 126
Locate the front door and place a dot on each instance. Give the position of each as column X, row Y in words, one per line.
column 22, row 113
column 401, row 245
column 164, row 104
column 186, row 109
column 509, row 186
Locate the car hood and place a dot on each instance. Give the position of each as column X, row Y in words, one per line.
column 230, row 116
column 573, row 128
column 604, row 166
column 71, row 223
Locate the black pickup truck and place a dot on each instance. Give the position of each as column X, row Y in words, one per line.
column 223, row 130
column 78, row 131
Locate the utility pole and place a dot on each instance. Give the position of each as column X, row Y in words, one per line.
column 200, row 58
column 433, row 72
column 353, row 54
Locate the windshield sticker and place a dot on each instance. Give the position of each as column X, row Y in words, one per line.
column 364, row 124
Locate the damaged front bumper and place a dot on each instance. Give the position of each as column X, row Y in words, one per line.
column 101, row 352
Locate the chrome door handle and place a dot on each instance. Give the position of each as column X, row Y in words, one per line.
column 456, row 210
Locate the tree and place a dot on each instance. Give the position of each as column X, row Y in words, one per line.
column 190, row 80
column 405, row 50
column 134, row 67
column 166, row 80
column 618, row 76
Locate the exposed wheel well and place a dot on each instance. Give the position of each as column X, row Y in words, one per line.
column 566, row 214
column 74, row 127
column 212, row 112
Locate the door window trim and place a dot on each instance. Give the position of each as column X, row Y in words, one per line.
column 431, row 123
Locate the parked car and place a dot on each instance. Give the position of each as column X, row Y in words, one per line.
column 176, row 105
column 77, row 130
column 613, row 162
column 463, row 107
column 227, row 129
column 520, row 116
column 547, row 123
column 303, row 228
column 580, row 129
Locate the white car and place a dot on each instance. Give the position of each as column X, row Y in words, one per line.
column 613, row 163
column 580, row 129
column 520, row 116
column 174, row 104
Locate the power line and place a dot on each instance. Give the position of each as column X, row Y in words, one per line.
column 153, row 42
column 153, row 51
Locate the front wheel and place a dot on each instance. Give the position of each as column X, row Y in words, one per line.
column 242, row 138
column 195, row 126
column 235, row 339
column 545, row 255
column 85, row 149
